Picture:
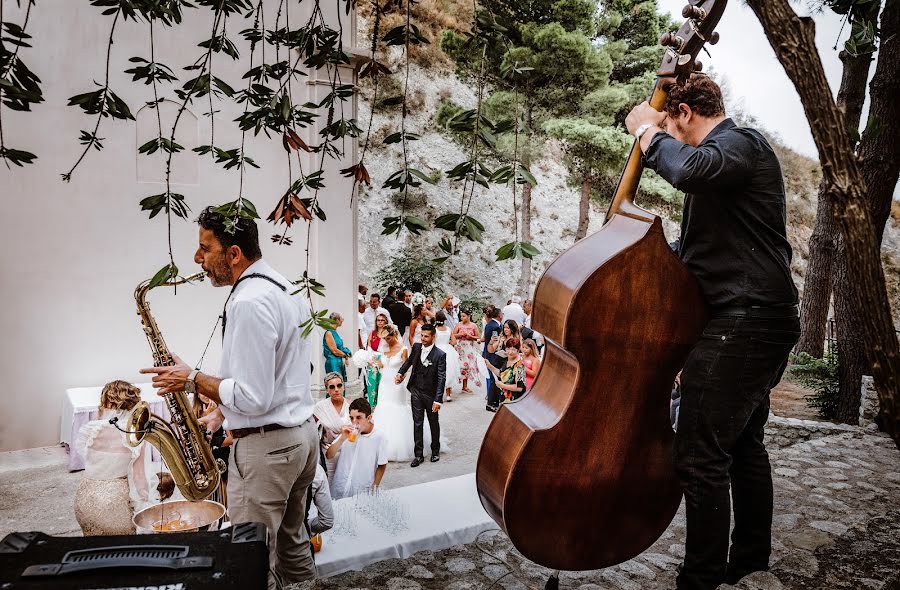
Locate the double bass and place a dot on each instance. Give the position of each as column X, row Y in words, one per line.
column 579, row 472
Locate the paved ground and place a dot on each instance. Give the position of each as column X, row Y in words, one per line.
column 37, row 492
column 837, row 525
column 837, row 521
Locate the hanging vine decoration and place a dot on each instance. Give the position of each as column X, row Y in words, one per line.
column 405, row 178
column 372, row 68
column 486, row 31
column 19, row 86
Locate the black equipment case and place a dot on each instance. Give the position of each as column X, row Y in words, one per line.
column 235, row 558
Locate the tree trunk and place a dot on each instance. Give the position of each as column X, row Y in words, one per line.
column 793, row 40
column 879, row 149
column 817, row 287
column 584, row 208
column 850, row 346
column 525, row 278
column 880, row 164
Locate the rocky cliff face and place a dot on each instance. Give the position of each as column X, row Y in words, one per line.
column 475, row 272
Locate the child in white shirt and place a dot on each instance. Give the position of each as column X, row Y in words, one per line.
column 363, row 453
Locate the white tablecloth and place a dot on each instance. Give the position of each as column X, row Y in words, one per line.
column 442, row 514
column 80, row 407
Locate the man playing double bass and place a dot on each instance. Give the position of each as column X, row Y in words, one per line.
column 733, row 240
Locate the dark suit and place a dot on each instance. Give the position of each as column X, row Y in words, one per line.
column 401, row 315
column 426, row 385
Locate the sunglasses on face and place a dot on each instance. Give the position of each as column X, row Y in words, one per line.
column 336, row 386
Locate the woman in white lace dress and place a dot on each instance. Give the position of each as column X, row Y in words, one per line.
column 118, row 479
column 393, row 416
column 445, row 340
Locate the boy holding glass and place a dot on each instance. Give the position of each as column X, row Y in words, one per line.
column 363, row 453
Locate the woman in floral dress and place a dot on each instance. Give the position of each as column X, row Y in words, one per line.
column 467, row 336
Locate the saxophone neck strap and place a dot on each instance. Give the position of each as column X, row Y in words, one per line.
column 238, row 282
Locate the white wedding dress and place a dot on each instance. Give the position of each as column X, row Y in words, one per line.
column 454, row 373
column 393, row 414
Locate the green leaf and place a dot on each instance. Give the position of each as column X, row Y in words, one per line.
column 506, row 251
column 415, row 225
column 523, row 175
column 421, row 175
column 163, row 275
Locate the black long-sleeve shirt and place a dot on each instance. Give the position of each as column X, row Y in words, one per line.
column 733, row 235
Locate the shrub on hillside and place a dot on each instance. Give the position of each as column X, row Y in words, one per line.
column 414, row 271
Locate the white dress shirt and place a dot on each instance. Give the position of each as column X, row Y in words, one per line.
column 265, row 360
column 514, row 312
column 426, row 350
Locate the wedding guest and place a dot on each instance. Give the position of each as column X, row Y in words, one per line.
column 415, row 327
column 531, row 360
column 445, row 340
column 376, row 342
column 527, row 307
column 117, row 478
column 510, row 330
column 513, row 311
column 511, row 379
column 407, row 300
column 492, row 331
column 321, row 499
column 467, row 335
column 400, row 313
column 363, row 291
column 363, row 453
column 374, row 308
column 390, row 298
column 362, row 328
column 336, row 354
column 332, row 414
column 429, row 309
column 448, row 307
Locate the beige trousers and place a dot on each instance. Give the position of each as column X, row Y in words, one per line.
column 269, row 475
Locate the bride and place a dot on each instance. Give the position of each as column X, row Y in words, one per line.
column 393, row 415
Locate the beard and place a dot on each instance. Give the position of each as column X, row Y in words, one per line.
column 220, row 273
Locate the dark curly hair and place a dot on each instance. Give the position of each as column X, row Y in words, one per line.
column 245, row 235
column 700, row 93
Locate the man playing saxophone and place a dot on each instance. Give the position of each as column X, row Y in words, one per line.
column 262, row 391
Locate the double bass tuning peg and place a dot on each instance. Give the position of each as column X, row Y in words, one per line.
column 671, row 40
column 694, row 12
column 698, row 66
column 714, row 38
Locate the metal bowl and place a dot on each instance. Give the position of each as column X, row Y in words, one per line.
column 194, row 516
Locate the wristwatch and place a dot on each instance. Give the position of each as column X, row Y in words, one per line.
column 190, row 386
column 641, row 130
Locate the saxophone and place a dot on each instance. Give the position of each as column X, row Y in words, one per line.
column 182, row 443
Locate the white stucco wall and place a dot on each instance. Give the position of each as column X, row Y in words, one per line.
column 73, row 253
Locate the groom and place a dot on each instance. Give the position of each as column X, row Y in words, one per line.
column 426, row 384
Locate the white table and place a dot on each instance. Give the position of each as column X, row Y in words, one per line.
column 442, row 514
column 80, row 406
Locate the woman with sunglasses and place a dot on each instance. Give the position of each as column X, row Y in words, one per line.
column 332, row 414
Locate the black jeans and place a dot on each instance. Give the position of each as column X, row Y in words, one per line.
column 725, row 388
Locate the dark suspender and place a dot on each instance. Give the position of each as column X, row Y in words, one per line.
column 238, row 282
